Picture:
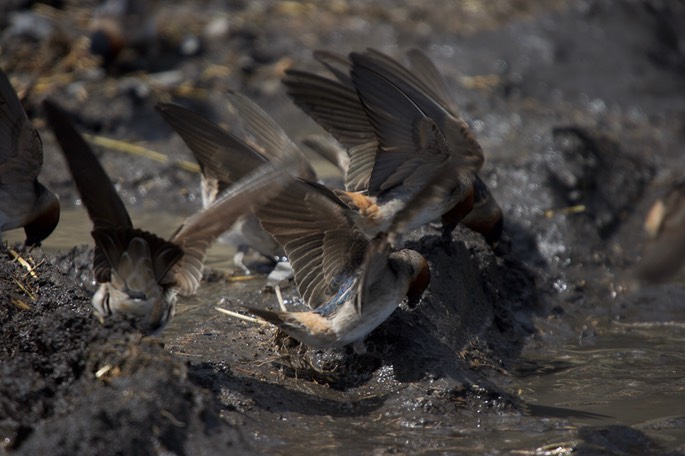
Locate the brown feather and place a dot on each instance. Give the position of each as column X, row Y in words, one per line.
column 319, row 236
column 101, row 200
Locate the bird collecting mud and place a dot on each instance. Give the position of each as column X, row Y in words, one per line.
column 411, row 161
column 140, row 274
column 398, row 125
column 352, row 283
column 24, row 201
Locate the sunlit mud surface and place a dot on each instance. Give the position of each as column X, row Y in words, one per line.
column 543, row 346
column 627, row 368
column 628, row 374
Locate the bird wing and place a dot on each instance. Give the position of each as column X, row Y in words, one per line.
column 411, row 145
column 113, row 231
column 101, row 200
column 268, row 135
column 384, row 85
column 318, row 233
column 21, row 150
column 337, row 64
column 223, row 157
column 329, row 149
column 421, row 82
column 425, row 71
column 198, row 231
column 374, row 264
column 336, row 107
column 114, row 242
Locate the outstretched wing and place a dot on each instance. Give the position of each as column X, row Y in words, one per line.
column 411, row 145
column 317, row 232
column 336, row 107
column 269, row 136
column 101, row 200
column 201, row 229
column 105, row 208
column 21, row 150
column 434, row 84
column 223, row 158
column 427, row 98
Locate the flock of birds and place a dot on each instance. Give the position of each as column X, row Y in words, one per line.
column 408, row 159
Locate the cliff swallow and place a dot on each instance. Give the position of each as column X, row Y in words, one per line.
column 351, row 283
column 24, row 201
column 225, row 158
column 120, row 24
column 139, row 273
column 379, row 111
column 664, row 251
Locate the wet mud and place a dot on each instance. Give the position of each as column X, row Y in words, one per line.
column 582, row 126
column 73, row 386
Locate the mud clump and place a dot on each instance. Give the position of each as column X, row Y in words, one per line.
column 474, row 294
column 72, row 386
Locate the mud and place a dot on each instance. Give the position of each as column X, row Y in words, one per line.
column 72, row 386
column 579, row 109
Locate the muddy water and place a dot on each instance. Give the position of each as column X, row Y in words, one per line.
column 625, row 373
column 631, row 375
column 634, row 374
column 74, row 229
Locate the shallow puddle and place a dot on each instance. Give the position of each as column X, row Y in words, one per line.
column 74, row 229
column 633, row 374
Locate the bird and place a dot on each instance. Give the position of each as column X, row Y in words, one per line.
column 141, row 274
column 24, row 201
column 328, row 241
column 430, row 174
column 351, row 283
column 664, row 250
column 375, row 107
column 224, row 158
